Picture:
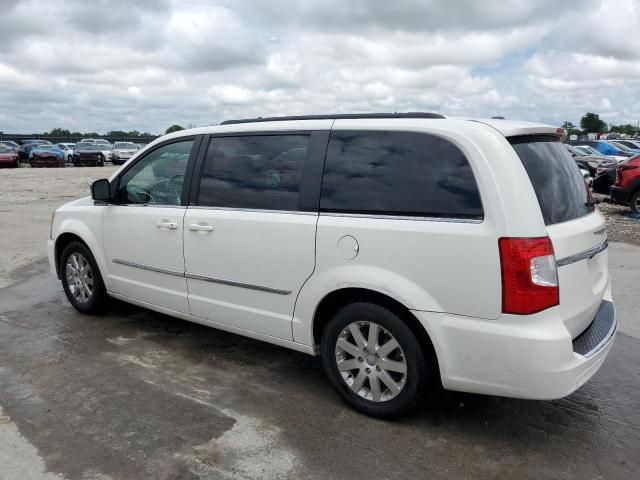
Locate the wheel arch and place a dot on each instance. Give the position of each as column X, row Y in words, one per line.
column 339, row 298
column 81, row 233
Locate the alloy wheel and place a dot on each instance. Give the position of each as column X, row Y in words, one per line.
column 79, row 277
column 371, row 361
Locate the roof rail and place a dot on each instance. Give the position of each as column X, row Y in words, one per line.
column 335, row 117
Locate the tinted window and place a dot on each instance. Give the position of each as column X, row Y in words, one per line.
column 157, row 179
column 258, row 171
column 555, row 177
column 398, row 173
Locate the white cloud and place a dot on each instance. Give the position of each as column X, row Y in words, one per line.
column 113, row 64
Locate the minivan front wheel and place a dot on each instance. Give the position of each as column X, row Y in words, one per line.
column 81, row 279
column 374, row 360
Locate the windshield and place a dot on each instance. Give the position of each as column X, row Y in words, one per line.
column 556, row 179
column 46, row 147
column 125, row 146
column 5, row 149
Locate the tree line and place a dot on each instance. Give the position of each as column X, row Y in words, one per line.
column 592, row 123
column 61, row 132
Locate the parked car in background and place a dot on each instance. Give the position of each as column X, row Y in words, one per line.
column 122, row 151
column 8, row 156
column 408, row 250
column 608, row 148
column 10, row 144
column 604, row 179
column 88, row 154
column 626, row 189
column 105, row 146
column 46, row 155
column 633, row 144
column 67, row 148
column 589, row 162
column 632, row 150
column 27, row 145
column 589, row 150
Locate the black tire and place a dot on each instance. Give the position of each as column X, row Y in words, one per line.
column 419, row 373
column 96, row 302
column 634, row 202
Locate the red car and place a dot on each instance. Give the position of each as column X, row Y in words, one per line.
column 8, row 157
column 626, row 189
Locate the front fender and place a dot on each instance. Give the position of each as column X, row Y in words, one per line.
column 366, row 277
column 89, row 229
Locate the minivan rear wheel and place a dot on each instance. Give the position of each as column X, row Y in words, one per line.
column 374, row 360
column 81, row 279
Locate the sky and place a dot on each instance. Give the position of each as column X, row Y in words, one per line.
column 144, row 65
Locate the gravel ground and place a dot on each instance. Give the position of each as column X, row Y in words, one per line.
column 620, row 226
column 28, row 196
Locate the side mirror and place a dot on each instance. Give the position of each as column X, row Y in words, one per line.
column 101, row 190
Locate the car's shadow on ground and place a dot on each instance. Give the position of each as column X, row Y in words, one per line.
column 584, row 410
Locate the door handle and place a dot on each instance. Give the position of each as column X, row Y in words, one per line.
column 201, row 227
column 166, row 224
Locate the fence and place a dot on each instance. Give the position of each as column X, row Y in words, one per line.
column 19, row 137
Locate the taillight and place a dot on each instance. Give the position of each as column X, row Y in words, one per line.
column 529, row 275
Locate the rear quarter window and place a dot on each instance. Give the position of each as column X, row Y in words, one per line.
column 555, row 177
column 398, row 173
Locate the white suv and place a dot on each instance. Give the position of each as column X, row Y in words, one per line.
column 405, row 249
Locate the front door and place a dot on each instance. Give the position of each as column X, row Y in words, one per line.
column 143, row 232
column 249, row 247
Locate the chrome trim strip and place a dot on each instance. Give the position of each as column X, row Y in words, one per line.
column 587, row 254
column 147, row 267
column 231, row 283
column 401, row 217
column 606, row 338
column 256, row 210
column 148, row 205
column 204, row 278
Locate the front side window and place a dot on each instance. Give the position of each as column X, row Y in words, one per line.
column 158, row 178
column 398, row 173
column 254, row 171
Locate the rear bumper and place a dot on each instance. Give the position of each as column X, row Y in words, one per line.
column 619, row 195
column 530, row 357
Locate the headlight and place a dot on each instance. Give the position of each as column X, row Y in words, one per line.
column 53, row 217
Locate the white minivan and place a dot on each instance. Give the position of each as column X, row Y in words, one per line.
column 407, row 250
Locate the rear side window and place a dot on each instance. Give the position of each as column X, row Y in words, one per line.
column 398, row 173
column 555, row 177
column 254, row 171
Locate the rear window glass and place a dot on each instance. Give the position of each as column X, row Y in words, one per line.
column 555, row 177
column 398, row 173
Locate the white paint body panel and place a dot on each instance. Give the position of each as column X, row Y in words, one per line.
column 446, row 272
column 131, row 234
column 262, row 249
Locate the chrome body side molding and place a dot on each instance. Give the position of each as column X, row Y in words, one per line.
column 232, row 283
column 204, row 278
column 148, row 267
